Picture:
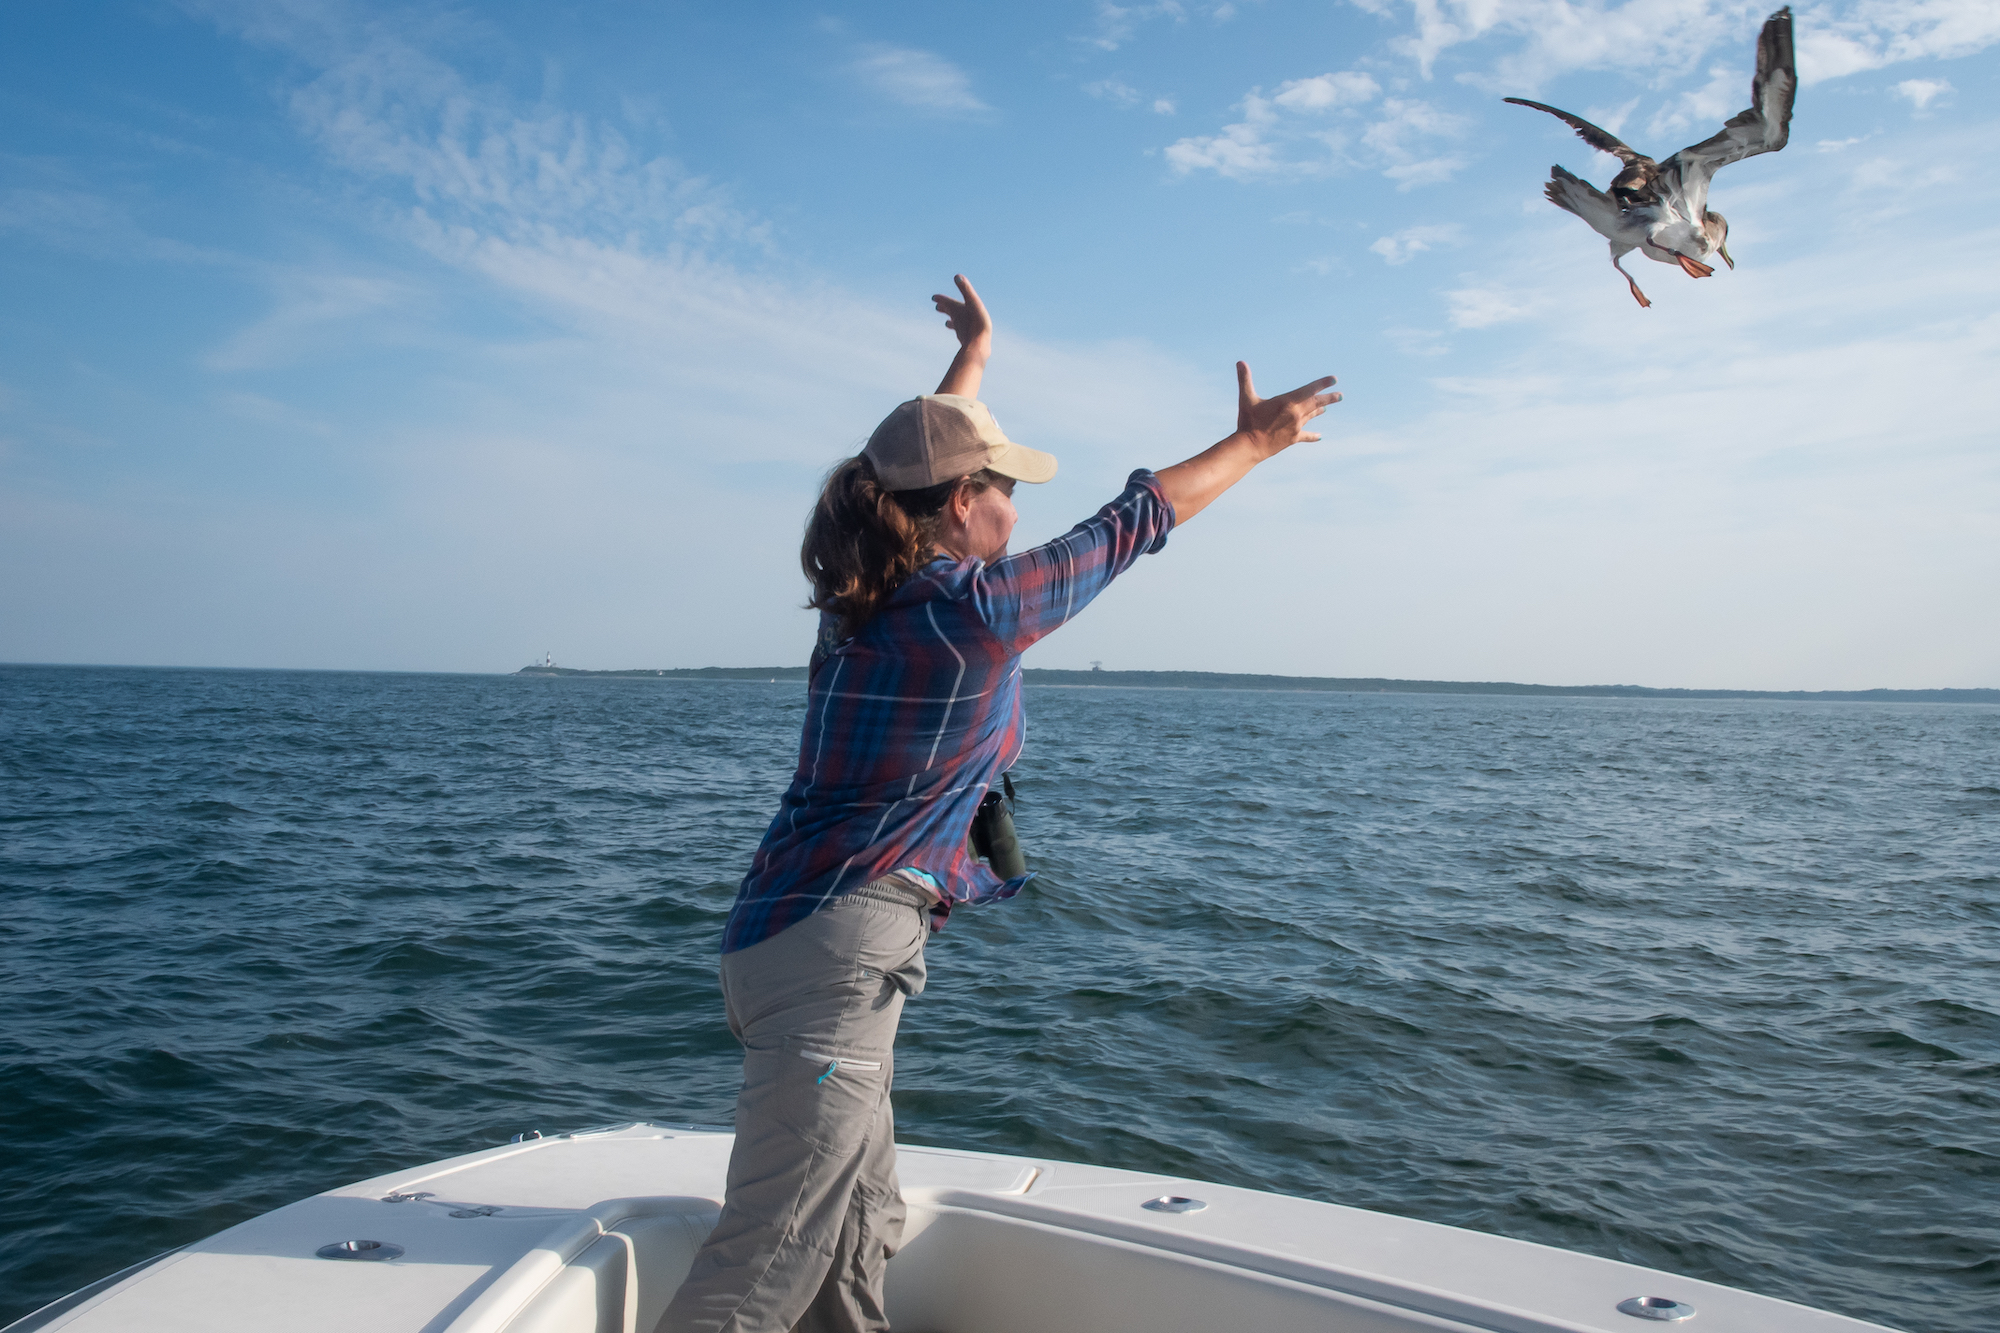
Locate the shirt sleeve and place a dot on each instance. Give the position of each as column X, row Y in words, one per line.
column 1026, row 596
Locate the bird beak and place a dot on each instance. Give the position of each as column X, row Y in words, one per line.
column 1695, row 268
column 1723, row 250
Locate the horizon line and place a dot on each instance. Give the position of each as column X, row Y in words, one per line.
column 1264, row 682
column 1272, row 683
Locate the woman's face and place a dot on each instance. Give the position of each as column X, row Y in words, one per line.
column 978, row 524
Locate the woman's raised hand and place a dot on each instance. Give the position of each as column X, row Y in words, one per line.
column 1278, row 423
column 974, row 327
column 1264, row 426
column 967, row 318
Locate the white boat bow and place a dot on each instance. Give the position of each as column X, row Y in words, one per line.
column 591, row 1233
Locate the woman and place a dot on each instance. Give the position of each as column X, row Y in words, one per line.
column 914, row 712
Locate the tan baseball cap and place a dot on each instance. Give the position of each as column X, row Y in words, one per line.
column 941, row 437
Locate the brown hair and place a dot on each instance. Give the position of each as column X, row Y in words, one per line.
column 862, row 542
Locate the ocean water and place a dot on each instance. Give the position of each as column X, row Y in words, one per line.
column 1713, row 987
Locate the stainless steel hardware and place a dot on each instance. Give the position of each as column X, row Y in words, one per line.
column 360, row 1249
column 1174, row 1203
column 1663, row 1308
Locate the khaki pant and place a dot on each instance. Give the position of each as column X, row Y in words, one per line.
column 812, row 1212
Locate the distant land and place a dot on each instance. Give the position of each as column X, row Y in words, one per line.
column 1223, row 680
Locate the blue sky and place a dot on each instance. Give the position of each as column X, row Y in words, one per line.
column 338, row 335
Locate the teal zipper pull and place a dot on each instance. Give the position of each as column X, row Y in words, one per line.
column 829, row 1072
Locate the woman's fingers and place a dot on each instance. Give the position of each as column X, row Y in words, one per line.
column 971, row 305
column 967, row 318
column 1247, row 391
column 951, row 308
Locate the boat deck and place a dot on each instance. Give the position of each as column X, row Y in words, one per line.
column 592, row 1232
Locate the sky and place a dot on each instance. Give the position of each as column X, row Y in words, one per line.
column 352, row 336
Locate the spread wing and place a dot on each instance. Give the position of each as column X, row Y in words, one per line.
column 1763, row 127
column 1603, row 140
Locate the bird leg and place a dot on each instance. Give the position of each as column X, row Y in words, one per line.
column 1637, row 295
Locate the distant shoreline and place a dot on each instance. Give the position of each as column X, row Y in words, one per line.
column 1222, row 680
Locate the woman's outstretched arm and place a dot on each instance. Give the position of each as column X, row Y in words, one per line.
column 1264, row 428
column 974, row 327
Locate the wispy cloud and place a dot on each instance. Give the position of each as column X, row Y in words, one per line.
column 1314, row 126
column 309, row 309
column 1549, row 37
column 1111, row 90
column 1240, row 152
column 1920, row 93
column 1872, row 34
column 921, row 79
column 660, row 315
column 1400, row 247
column 1703, row 109
column 1483, row 307
column 385, row 107
column 1525, row 43
column 1901, row 179
column 1117, row 24
column 1324, row 91
column 1125, row 95
column 66, row 216
column 1417, row 342
column 270, row 412
column 1400, row 140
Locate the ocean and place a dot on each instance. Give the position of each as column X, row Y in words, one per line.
column 1708, row 986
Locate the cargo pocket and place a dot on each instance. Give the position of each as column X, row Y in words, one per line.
column 828, row 1099
column 835, row 1063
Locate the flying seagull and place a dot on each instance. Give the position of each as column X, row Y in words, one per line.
column 1661, row 209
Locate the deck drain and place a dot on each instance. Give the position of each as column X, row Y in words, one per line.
column 359, row 1249
column 1657, row 1307
column 1174, row 1203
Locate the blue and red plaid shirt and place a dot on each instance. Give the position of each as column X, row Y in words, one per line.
column 911, row 720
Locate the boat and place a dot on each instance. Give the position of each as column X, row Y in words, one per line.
column 592, row 1231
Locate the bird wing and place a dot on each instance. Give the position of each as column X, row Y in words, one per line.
column 1764, row 127
column 1586, row 201
column 1603, row 140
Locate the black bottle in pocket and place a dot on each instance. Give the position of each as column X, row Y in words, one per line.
column 992, row 835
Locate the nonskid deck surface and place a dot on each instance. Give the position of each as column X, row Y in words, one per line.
column 591, row 1232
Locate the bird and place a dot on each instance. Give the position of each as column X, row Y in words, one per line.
column 1661, row 209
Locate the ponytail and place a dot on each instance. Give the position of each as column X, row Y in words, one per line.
column 862, row 542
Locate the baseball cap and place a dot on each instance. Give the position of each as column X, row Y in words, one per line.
column 941, row 437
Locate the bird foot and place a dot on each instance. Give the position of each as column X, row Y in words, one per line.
column 1695, row 268
column 1638, row 295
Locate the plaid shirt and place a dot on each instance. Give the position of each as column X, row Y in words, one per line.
column 911, row 720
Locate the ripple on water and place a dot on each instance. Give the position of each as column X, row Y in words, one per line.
column 1703, row 986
